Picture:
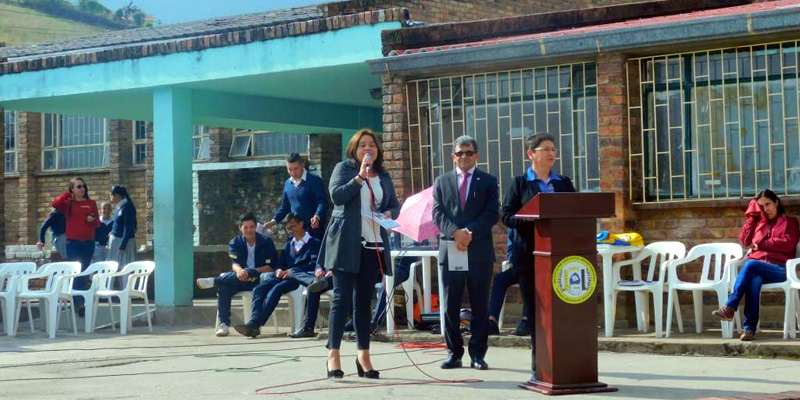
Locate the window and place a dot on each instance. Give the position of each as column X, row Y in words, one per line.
column 201, row 143
column 264, row 144
column 714, row 124
column 501, row 109
column 10, row 119
column 139, row 142
column 74, row 142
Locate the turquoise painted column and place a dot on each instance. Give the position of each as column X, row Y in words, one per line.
column 172, row 195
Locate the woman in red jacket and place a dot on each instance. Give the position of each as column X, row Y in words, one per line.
column 82, row 218
column 771, row 238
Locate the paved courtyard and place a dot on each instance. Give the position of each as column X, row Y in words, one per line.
column 189, row 363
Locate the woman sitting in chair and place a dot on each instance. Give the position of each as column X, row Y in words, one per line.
column 771, row 238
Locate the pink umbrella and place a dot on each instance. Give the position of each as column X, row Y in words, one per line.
column 416, row 217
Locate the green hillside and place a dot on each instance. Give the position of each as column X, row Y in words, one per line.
column 19, row 25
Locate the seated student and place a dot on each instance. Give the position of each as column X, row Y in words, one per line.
column 57, row 223
column 299, row 256
column 500, row 285
column 771, row 238
column 250, row 254
column 101, row 233
column 316, row 287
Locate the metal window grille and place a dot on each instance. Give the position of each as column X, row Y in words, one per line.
column 139, row 142
column 501, row 109
column 74, row 142
column 10, row 120
column 714, row 124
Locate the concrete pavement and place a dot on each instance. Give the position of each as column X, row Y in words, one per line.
column 189, row 363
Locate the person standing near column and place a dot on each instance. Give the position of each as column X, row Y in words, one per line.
column 57, row 223
column 122, row 242
column 465, row 208
column 539, row 178
column 82, row 218
column 304, row 194
column 356, row 247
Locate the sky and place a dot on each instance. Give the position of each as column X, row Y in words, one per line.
column 174, row 11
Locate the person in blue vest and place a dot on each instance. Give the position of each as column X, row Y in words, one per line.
column 304, row 194
column 250, row 255
column 56, row 221
column 299, row 257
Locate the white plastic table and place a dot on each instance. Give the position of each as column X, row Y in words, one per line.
column 426, row 254
column 607, row 252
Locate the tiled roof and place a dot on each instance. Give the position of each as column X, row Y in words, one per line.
column 190, row 36
column 695, row 15
column 165, row 32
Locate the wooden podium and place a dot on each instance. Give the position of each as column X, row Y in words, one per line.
column 565, row 316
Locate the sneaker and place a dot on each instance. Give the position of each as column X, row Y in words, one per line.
column 523, row 328
column 747, row 336
column 302, row 333
column 248, row 329
column 205, row 283
column 494, row 329
column 318, row 285
column 222, row 330
column 724, row 313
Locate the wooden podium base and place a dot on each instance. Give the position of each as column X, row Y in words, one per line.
column 557, row 390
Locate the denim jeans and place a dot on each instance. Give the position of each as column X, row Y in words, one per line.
column 228, row 285
column 80, row 251
column 267, row 295
column 753, row 274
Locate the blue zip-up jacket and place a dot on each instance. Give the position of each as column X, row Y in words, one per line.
column 124, row 225
column 307, row 200
column 101, row 233
column 303, row 261
column 265, row 254
column 56, row 221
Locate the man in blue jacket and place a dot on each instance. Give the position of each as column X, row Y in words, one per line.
column 57, row 223
column 298, row 259
column 250, row 255
column 304, row 194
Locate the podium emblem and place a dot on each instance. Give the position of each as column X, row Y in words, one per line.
column 574, row 280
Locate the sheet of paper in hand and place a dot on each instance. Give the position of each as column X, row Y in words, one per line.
column 457, row 260
column 380, row 219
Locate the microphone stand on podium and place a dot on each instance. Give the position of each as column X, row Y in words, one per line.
column 565, row 313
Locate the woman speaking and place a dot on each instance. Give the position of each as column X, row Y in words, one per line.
column 355, row 243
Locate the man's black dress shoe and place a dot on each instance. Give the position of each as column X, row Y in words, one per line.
column 478, row 363
column 248, row 329
column 451, row 362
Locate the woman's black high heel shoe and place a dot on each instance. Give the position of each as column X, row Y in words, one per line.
column 336, row 374
column 371, row 374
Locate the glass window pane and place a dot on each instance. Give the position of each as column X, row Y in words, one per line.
column 240, row 146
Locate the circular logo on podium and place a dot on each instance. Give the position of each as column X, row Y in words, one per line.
column 574, row 280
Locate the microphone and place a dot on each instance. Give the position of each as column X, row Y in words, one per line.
column 368, row 158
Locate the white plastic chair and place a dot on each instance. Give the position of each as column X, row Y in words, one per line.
column 101, row 280
column 658, row 253
column 506, row 266
column 59, row 277
column 138, row 273
column 792, row 308
column 9, row 287
column 716, row 280
column 295, row 304
column 409, row 286
column 247, row 306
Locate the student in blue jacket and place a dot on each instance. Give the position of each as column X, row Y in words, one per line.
column 296, row 266
column 57, row 223
column 304, row 194
column 250, row 255
column 102, row 232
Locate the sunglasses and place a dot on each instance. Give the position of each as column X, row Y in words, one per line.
column 468, row 153
column 79, row 186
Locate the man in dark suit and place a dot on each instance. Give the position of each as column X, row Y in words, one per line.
column 465, row 207
column 539, row 178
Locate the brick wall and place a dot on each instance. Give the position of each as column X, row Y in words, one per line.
column 465, row 10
